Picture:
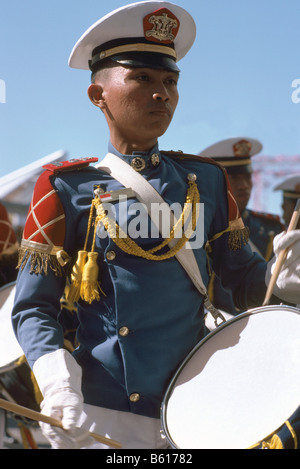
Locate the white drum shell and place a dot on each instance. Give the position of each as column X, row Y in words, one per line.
column 239, row 384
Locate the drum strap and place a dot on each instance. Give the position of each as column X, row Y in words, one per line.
column 146, row 194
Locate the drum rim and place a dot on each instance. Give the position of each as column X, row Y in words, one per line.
column 222, row 326
column 7, row 285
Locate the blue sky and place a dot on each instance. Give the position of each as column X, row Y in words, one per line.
column 236, row 80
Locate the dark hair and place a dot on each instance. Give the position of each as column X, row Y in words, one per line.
column 103, row 65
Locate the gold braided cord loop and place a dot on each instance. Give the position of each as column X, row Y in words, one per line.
column 124, row 242
column 84, row 282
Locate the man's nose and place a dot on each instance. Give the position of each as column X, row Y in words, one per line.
column 161, row 94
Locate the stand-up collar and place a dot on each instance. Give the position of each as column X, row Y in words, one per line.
column 139, row 160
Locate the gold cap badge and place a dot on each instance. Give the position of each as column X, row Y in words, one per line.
column 242, row 148
column 161, row 26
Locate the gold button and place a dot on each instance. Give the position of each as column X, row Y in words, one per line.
column 155, row 159
column 134, row 397
column 123, row 331
column 110, row 255
column 138, row 163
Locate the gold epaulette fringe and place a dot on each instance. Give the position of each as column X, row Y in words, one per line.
column 238, row 238
column 39, row 262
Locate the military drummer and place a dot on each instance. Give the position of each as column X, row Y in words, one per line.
column 139, row 311
column 235, row 155
column 290, row 189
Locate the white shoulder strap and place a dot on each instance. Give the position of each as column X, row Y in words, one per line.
column 146, row 194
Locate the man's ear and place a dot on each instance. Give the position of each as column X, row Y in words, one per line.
column 95, row 93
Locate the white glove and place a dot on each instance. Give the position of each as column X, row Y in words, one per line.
column 287, row 287
column 59, row 378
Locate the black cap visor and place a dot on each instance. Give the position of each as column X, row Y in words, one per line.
column 146, row 60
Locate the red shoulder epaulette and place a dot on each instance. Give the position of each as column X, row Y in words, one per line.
column 187, row 156
column 267, row 216
column 70, row 165
column 45, row 227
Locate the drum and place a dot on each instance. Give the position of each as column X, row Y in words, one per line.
column 10, row 350
column 15, row 375
column 238, row 385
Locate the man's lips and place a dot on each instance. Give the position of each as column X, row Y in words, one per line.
column 161, row 111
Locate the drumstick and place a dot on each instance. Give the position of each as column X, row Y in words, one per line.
column 33, row 415
column 282, row 255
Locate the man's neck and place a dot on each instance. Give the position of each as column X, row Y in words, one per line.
column 135, row 148
column 126, row 148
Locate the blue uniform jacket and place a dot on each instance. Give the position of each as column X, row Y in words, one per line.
column 155, row 300
column 262, row 228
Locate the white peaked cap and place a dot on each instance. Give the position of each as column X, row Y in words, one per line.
column 162, row 28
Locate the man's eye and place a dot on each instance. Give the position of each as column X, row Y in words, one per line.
column 142, row 77
column 172, row 81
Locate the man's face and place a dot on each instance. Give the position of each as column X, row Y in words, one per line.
column 138, row 103
column 241, row 185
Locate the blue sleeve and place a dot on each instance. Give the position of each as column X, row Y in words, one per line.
column 243, row 272
column 35, row 312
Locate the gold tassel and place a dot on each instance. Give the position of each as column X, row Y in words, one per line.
column 73, row 293
column 90, row 287
column 84, row 273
